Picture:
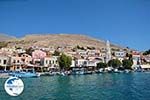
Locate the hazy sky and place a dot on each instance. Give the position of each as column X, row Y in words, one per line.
column 124, row 22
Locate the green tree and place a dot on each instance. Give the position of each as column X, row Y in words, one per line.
column 146, row 52
column 127, row 64
column 81, row 48
column 129, row 55
column 56, row 53
column 29, row 51
column 101, row 65
column 115, row 63
column 64, row 61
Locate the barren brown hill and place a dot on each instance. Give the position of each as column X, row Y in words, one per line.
column 62, row 40
column 4, row 37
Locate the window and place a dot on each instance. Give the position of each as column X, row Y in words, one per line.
column 46, row 62
column 14, row 61
column 5, row 61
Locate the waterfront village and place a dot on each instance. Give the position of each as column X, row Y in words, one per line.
column 70, row 60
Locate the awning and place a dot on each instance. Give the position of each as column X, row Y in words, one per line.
column 145, row 66
column 31, row 65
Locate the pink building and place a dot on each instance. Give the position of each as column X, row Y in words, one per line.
column 38, row 54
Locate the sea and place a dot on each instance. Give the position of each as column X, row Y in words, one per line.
column 106, row 86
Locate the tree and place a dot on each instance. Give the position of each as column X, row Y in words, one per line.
column 81, row 48
column 129, row 55
column 29, row 51
column 127, row 64
column 115, row 63
column 146, row 52
column 101, row 65
column 64, row 61
column 56, row 53
column 91, row 48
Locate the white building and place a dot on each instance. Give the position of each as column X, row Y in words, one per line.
column 82, row 52
column 80, row 62
column 7, row 50
column 72, row 63
column 92, row 63
column 51, row 62
column 4, row 61
column 16, row 60
column 136, row 59
column 120, row 54
column 20, row 50
column 93, row 52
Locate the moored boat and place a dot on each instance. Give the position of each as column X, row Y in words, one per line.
column 78, row 72
column 25, row 73
column 116, row 71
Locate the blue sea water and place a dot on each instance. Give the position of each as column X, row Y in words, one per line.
column 115, row 86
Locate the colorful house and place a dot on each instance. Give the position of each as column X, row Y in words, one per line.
column 37, row 56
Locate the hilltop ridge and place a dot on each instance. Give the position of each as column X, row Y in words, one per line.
column 59, row 40
column 4, row 37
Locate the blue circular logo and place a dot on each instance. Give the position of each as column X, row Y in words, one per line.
column 14, row 86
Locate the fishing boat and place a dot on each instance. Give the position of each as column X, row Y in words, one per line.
column 25, row 73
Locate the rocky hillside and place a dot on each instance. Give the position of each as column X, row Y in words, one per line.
column 4, row 37
column 56, row 40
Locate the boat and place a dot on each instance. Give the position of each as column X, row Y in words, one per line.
column 25, row 73
column 127, row 71
column 101, row 70
column 97, row 71
column 88, row 72
column 116, row 71
column 109, row 69
column 78, row 72
column 46, row 73
column 63, row 74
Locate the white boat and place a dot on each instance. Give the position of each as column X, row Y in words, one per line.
column 101, row 70
column 116, row 71
column 25, row 73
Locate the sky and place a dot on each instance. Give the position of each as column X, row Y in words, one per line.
column 123, row 22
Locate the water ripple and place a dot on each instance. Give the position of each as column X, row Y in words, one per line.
column 133, row 86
